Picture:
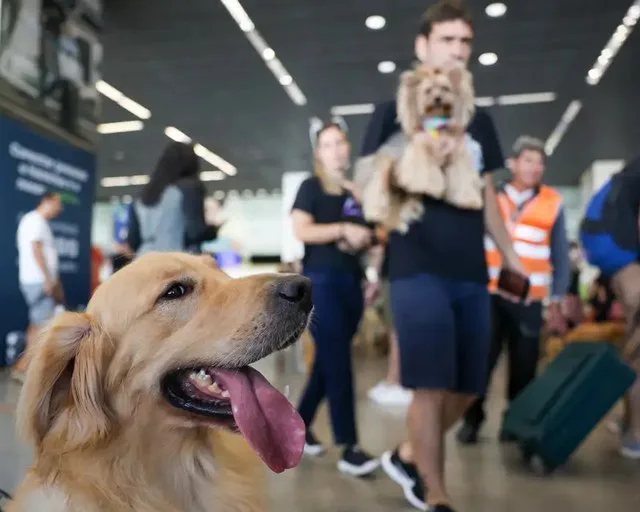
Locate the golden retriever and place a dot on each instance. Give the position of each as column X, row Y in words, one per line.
column 136, row 405
column 432, row 156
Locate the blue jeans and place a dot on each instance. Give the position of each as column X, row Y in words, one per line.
column 444, row 333
column 338, row 306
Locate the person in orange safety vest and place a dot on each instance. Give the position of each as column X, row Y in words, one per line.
column 534, row 216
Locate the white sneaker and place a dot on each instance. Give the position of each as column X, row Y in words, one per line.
column 391, row 395
column 379, row 389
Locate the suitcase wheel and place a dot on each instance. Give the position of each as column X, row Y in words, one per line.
column 536, row 463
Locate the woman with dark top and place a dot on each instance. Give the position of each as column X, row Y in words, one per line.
column 328, row 219
column 169, row 214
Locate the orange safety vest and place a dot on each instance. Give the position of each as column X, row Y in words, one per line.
column 530, row 231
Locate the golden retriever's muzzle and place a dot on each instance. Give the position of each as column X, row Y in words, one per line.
column 236, row 396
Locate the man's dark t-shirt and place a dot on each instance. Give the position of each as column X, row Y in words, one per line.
column 447, row 241
column 328, row 209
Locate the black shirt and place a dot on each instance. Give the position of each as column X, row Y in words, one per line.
column 327, row 209
column 447, row 241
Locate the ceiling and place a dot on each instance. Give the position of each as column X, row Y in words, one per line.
column 195, row 70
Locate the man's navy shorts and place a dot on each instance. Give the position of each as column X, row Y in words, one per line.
column 444, row 333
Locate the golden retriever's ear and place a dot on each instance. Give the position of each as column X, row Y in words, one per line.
column 407, row 102
column 63, row 394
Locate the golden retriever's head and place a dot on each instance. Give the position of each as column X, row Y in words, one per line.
column 169, row 336
column 435, row 91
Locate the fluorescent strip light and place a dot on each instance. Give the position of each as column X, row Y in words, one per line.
column 142, row 179
column 485, row 101
column 209, row 156
column 481, row 101
column 563, row 125
column 267, row 53
column 174, row 134
column 523, row 99
column 239, row 14
column 215, row 160
column 126, row 103
column 614, row 44
column 120, row 127
column 211, row 175
column 353, row 110
column 116, row 181
column 124, row 181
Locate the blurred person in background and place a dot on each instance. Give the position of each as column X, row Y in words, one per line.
column 169, row 215
column 438, row 277
column 38, row 270
column 610, row 237
column 535, row 217
column 52, row 27
column 327, row 218
column 574, row 306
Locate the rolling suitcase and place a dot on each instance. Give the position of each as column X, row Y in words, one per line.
column 557, row 411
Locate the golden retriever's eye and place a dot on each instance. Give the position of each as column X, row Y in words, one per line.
column 177, row 290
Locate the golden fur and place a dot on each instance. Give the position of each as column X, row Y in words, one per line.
column 104, row 438
column 440, row 166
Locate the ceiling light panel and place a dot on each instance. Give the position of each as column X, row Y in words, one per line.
column 375, row 22
column 125, row 102
column 495, row 10
column 488, row 59
column 620, row 35
column 386, row 66
column 267, row 53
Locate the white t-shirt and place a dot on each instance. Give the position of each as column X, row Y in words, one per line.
column 33, row 227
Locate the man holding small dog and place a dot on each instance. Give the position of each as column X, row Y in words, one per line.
column 438, row 275
column 535, row 216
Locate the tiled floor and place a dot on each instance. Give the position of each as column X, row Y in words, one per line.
column 484, row 478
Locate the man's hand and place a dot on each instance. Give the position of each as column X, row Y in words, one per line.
column 371, row 293
column 49, row 287
column 556, row 322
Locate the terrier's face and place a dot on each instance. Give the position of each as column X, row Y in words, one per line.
column 435, row 93
column 429, row 91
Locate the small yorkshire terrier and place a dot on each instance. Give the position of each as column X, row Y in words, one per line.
column 432, row 156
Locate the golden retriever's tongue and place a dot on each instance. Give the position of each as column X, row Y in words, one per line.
column 265, row 417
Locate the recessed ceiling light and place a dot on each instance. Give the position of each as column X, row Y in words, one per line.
column 375, row 22
column 386, row 66
column 488, row 59
column 495, row 10
column 268, row 54
column 286, row 80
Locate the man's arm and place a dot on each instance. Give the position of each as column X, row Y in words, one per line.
column 496, row 227
column 560, row 258
column 38, row 253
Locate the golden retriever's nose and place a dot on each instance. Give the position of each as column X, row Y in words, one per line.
column 295, row 290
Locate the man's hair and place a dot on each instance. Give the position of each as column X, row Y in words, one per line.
column 528, row 143
column 49, row 194
column 445, row 10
